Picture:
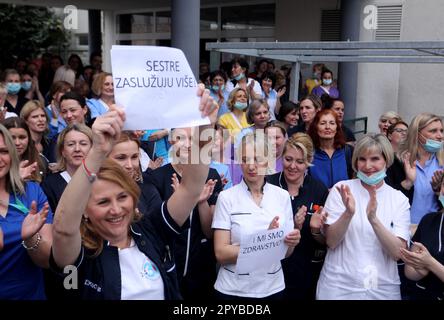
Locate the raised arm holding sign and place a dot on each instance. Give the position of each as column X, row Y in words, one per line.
column 156, row 86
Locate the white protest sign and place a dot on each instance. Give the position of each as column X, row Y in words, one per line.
column 156, row 87
column 260, row 250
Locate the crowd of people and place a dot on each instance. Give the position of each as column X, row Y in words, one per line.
column 363, row 217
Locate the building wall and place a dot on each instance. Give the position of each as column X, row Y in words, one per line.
column 301, row 21
column 82, row 30
column 378, row 83
column 420, row 85
column 405, row 88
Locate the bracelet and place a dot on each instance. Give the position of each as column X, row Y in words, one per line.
column 91, row 175
column 36, row 244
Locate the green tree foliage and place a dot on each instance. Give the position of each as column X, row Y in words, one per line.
column 27, row 31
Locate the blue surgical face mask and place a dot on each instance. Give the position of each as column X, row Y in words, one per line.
column 26, row 85
column 239, row 77
column 316, row 75
column 374, row 179
column 441, row 199
column 13, row 87
column 240, row 105
column 216, row 88
column 327, row 82
column 432, row 146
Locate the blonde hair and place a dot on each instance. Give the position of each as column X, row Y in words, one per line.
column 128, row 136
column 114, row 173
column 30, row 107
column 378, row 142
column 253, row 107
column 14, row 182
column 411, row 143
column 61, row 162
column 303, row 142
column 390, row 115
column 98, row 82
column 65, row 73
column 258, row 140
column 231, row 99
column 3, row 89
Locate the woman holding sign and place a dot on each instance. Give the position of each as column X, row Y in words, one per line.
column 119, row 254
column 247, row 209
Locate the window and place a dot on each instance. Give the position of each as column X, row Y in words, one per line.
column 163, row 21
column 389, row 23
column 331, row 25
column 208, row 19
column 135, row 23
column 83, row 39
column 260, row 16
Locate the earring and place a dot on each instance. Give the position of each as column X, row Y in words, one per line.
column 85, row 218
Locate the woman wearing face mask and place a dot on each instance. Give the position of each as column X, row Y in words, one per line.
column 218, row 90
column 14, row 102
column 327, row 85
column 4, row 113
column 367, row 225
column 424, row 151
column 239, row 72
column 424, row 262
column 236, row 119
column 315, row 79
column 30, row 87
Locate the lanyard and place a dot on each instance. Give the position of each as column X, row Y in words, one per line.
column 19, row 206
column 236, row 120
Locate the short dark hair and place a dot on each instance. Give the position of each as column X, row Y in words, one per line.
column 220, row 73
column 286, row 108
column 242, row 62
column 268, row 75
column 72, row 95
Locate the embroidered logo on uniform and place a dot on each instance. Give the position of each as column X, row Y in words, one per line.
column 150, row 271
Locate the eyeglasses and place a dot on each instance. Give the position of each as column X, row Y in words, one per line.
column 399, row 130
